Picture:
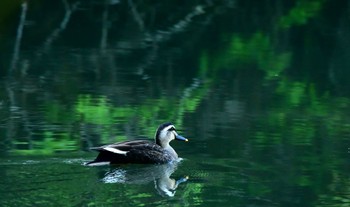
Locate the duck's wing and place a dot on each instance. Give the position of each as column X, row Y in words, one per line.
column 136, row 151
column 124, row 147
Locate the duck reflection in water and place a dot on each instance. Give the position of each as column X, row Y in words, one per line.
column 159, row 174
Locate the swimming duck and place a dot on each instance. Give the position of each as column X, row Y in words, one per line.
column 141, row 151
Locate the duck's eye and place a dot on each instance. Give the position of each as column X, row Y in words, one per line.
column 171, row 129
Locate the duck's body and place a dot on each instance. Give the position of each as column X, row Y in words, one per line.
column 141, row 151
column 136, row 151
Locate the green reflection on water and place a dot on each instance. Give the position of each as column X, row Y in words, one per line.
column 293, row 149
column 50, row 144
column 98, row 111
column 301, row 13
column 256, row 50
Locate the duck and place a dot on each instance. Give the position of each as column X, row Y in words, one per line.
column 141, row 151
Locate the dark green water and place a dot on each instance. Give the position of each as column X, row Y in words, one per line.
column 260, row 88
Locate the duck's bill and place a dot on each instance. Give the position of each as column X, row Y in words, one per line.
column 181, row 138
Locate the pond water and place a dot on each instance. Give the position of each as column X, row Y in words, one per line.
column 260, row 89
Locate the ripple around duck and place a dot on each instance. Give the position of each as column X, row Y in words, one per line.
column 39, row 160
column 15, row 162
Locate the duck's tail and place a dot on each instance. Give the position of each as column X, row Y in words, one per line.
column 101, row 159
column 97, row 163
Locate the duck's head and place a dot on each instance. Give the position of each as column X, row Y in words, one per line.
column 166, row 133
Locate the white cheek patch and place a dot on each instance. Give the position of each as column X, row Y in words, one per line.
column 163, row 134
column 165, row 131
column 114, row 150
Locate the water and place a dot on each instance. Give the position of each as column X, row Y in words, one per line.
column 261, row 91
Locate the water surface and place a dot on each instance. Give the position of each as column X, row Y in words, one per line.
column 260, row 89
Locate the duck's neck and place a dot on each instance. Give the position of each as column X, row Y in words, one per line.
column 166, row 146
column 171, row 151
